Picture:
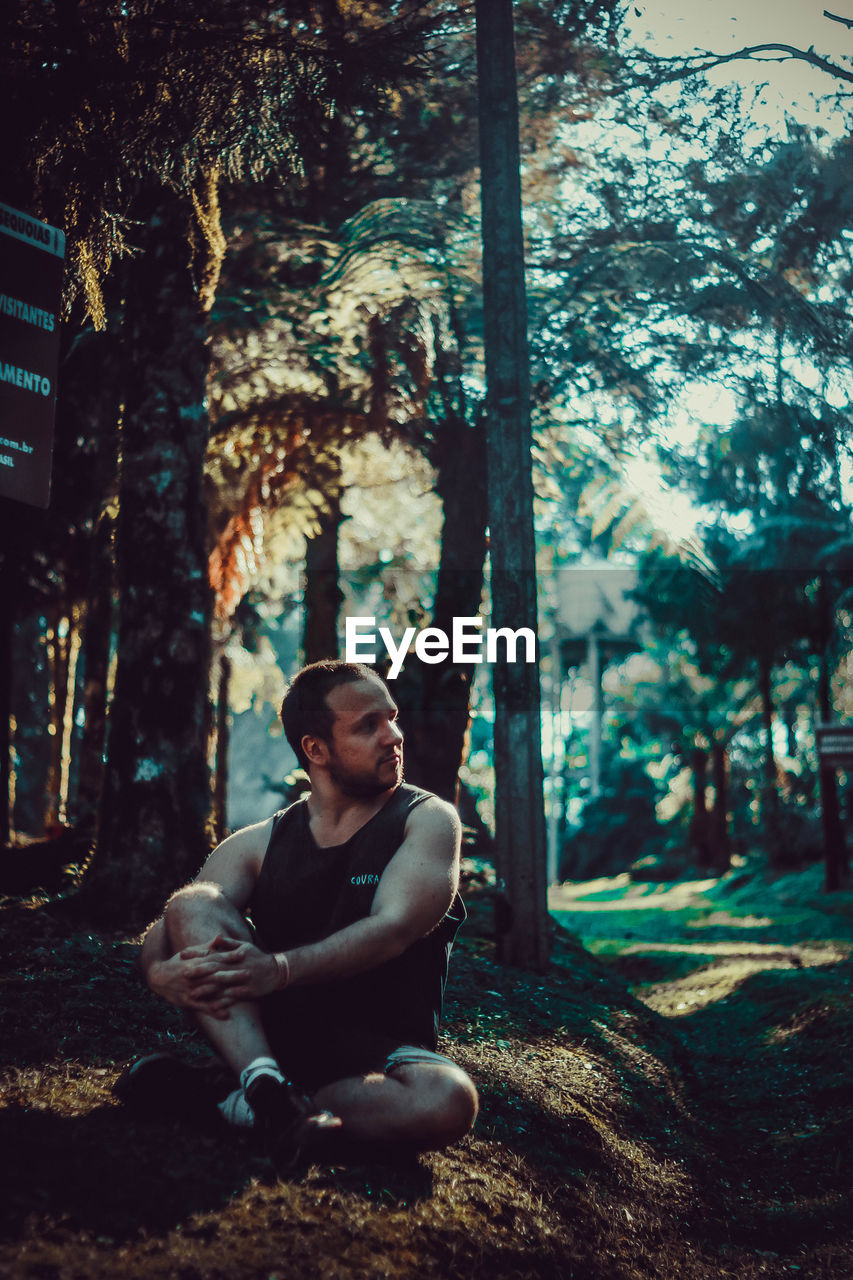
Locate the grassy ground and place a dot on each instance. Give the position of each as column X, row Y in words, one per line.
column 673, row 1107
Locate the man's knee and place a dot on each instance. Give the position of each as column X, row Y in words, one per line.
column 447, row 1101
column 198, row 912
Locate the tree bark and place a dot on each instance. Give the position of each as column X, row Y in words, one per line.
column 58, row 642
column 7, row 639
column 322, row 596
column 96, row 659
column 67, row 726
column 519, row 791
column 836, row 859
column 29, row 696
column 156, row 796
column 770, row 815
column 435, row 699
column 26, row 589
column 102, row 422
column 596, row 725
column 699, row 833
column 721, row 848
column 222, row 743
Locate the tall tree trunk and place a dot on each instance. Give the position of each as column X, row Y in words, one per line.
column 836, row 859
column 699, row 834
column 102, row 422
column 7, row 644
column 770, row 815
column 596, row 721
column 66, row 761
column 322, row 596
column 519, row 789
column 556, row 803
column 58, row 644
column 721, row 848
column 329, row 185
column 435, row 698
column 156, row 803
column 30, row 697
column 221, row 745
column 834, row 845
column 96, row 658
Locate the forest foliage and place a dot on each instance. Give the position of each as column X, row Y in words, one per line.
column 274, row 294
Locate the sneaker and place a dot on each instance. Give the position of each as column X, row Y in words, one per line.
column 285, row 1127
column 161, row 1086
column 236, row 1111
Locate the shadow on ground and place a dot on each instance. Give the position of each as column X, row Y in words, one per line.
column 115, row 1177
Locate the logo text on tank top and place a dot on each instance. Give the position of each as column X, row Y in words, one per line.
column 365, row 879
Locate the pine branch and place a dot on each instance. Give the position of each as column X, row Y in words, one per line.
column 769, row 292
column 833, row 17
column 665, row 73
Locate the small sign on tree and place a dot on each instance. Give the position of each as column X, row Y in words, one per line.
column 835, row 745
column 31, row 259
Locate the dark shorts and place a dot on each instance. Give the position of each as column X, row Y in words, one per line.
column 341, row 1053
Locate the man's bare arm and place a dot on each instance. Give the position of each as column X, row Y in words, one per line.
column 187, row 978
column 235, row 864
column 413, row 894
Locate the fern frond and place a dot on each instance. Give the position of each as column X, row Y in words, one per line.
column 616, row 506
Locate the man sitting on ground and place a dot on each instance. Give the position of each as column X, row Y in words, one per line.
column 333, row 986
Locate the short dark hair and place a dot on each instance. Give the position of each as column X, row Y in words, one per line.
column 305, row 710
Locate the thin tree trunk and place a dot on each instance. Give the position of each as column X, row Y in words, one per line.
column 96, row 657
column 104, row 424
column 699, row 822
column 833, row 832
column 30, row 696
column 322, row 596
column 329, row 185
column 721, row 848
column 58, row 643
column 67, row 709
column 153, row 833
column 435, row 699
column 223, row 739
column 7, row 640
column 519, row 792
column 793, row 746
column 596, row 722
column 836, row 860
column 554, row 772
column 770, row 816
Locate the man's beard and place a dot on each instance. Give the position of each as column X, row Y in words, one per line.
column 361, row 786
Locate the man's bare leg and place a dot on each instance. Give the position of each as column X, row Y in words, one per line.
column 425, row 1105
column 195, row 916
column 201, row 916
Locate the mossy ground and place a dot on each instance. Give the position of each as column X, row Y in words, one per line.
column 675, row 1108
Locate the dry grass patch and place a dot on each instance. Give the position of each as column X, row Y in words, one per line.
column 605, row 1147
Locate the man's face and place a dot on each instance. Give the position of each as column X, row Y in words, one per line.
column 365, row 748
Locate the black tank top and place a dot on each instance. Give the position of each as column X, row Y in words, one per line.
column 304, row 893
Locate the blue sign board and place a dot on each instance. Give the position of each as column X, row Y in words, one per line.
column 31, row 260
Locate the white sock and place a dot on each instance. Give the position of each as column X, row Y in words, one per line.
column 236, row 1110
column 260, row 1067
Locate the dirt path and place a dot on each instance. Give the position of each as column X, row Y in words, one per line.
column 704, row 938
column 755, row 979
